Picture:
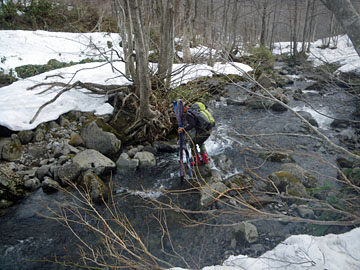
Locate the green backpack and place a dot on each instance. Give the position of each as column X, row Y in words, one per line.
column 203, row 115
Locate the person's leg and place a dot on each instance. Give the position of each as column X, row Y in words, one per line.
column 200, row 140
column 192, row 142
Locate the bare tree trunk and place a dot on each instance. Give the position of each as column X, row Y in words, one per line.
column 193, row 21
column 234, row 28
column 142, row 61
column 305, row 35
column 295, row 39
column 348, row 17
column 186, row 32
column 166, row 57
column 263, row 24
column 274, row 24
column 312, row 24
column 210, row 32
column 126, row 33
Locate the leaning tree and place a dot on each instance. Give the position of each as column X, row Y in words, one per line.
column 348, row 17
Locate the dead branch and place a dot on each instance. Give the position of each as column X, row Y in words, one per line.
column 93, row 88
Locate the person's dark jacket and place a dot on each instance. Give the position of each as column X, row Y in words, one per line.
column 191, row 121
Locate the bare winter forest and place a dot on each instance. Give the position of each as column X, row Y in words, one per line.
column 229, row 22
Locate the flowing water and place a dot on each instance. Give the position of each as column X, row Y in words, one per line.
column 28, row 239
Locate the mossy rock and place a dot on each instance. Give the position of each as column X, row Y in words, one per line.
column 122, row 123
column 300, row 173
column 278, row 157
column 76, row 140
column 239, row 181
column 11, row 187
column 288, row 183
column 103, row 125
column 10, row 149
column 98, row 190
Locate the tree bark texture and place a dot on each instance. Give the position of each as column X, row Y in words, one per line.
column 141, row 60
column 166, row 56
column 349, row 19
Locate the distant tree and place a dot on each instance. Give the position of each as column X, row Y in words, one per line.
column 348, row 17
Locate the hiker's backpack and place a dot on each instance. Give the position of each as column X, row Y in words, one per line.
column 204, row 117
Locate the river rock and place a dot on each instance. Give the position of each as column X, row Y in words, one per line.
column 76, row 140
column 340, row 123
column 97, row 189
column 146, row 159
column 265, row 81
column 39, row 135
column 278, row 107
column 36, row 151
column 168, row 147
column 151, row 149
column 68, row 172
column 245, row 231
column 126, row 163
column 10, row 148
column 63, row 121
column 215, row 176
column 32, row 184
column 103, row 141
column 49, row 185
column 43, row 171
column 279, row 157
column 288, row 184
column 258, row 103
column 309, row 118
column 26, row 136
column 305, row 212
column 283, row 80
column 93, row 160
column 63, row 148
column 300, row 173
column 132, row 151
column 239, row 180
column 11, row 186
column 210, row 192
column 223, row 162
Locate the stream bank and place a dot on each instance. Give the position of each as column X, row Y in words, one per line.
column 250, row 142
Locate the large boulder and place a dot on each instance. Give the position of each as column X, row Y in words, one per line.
column 96, row 137
column 93, row 160
column 11, row 187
